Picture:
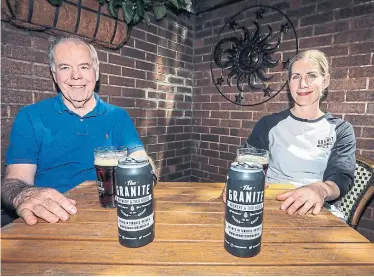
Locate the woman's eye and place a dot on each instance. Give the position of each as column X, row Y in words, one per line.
column 295, row 77
column 312, row 76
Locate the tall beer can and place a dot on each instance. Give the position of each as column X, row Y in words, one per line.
column 244, row 209
column 134, row 197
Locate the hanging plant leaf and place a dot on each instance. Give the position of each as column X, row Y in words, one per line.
column 159, row 11
column 175, row 3
column 128, row 11
column 147, row 18
column 55, row 2
column 136, row 19
column 140, row 7
column 101, row 2
column 113, row 6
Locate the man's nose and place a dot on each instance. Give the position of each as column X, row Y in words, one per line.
column 76, row 74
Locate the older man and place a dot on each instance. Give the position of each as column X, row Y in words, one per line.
column 51, row 142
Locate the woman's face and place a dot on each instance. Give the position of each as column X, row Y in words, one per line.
column 306, row 83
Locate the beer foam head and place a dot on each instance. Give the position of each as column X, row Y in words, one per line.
column 108, row 159
column 252, row 158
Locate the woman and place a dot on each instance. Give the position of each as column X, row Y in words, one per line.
column 308, row 148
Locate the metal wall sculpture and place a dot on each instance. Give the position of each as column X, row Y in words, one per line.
column 245, row 56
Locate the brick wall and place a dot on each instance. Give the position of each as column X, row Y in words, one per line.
column 343, row 29
column 150, row 77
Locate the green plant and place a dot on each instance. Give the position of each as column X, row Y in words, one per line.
column 134, row 11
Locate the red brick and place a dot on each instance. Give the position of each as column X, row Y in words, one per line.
column 110, row 69
column 129, row 72
column 240, row 115
column 358, row 48
column 121, row 81
column 15, row 38
column 229, row 140
column 357, row 10
column 103, row 56
column 334, row 50
column 133, row 92
column 42, row 71
column 360, row 96
column 316, row 18
column 122, row 102
column 120, row 60
column 144, row 103
column 347, row 108
column 145, row 66
column 16, row 67
column 315, row 41
column 370, row 108
column 360, row 120
column 335, row 96
column 357, row 60
column 367, row 71
column 26, row 54
column 368, row 132
column 145, row 84
column 149, row 47
column 353, row 36
column 40, row 43
column 332, row 4
column 348, row 84
column 109, row 90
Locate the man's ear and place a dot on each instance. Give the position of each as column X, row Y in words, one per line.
column 54, row 75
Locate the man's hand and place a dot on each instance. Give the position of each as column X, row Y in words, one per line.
column 223, row 194
column 46, row 203
column 309, row 197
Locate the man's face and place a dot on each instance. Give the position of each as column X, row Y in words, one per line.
column 74, row 72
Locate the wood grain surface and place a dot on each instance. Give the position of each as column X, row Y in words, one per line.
column 189, row 240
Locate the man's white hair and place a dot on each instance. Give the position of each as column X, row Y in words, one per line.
column 51, row 52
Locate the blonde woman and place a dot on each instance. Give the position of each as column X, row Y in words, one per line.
column 309, row 148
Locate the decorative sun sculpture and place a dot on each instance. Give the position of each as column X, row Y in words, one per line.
column 245, row 57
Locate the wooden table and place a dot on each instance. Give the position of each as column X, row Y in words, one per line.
column 189, row 240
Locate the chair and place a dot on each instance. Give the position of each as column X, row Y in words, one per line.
column 354, row 202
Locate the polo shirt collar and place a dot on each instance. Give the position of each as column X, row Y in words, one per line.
column 60, row 106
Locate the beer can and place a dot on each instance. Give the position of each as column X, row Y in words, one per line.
column 244, row 209
column 134, row 197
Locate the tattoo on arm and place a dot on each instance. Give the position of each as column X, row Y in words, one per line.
column 12, row 191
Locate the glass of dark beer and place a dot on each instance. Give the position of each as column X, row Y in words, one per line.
column 254, row 155
column 106, row 159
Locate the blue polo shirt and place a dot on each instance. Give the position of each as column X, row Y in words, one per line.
column 61, row 142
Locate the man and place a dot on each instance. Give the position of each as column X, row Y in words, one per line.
column 52, row 142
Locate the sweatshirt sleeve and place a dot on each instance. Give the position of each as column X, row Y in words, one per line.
column 342, row 161
column 259, row 137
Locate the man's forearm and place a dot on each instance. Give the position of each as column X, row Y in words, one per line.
column 11, row 190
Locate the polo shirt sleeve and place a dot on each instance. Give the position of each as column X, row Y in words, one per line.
column 128, row 135
column 23, row 147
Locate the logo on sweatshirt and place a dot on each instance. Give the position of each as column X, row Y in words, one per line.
column 328, row 142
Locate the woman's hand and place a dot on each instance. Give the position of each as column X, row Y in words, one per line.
column 303, row 199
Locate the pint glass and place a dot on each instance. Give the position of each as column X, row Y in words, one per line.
column 254, row 155
column 106, row 159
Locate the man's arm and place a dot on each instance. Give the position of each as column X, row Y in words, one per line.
column 18, row 192
column 142, row 153
column 18, row 178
